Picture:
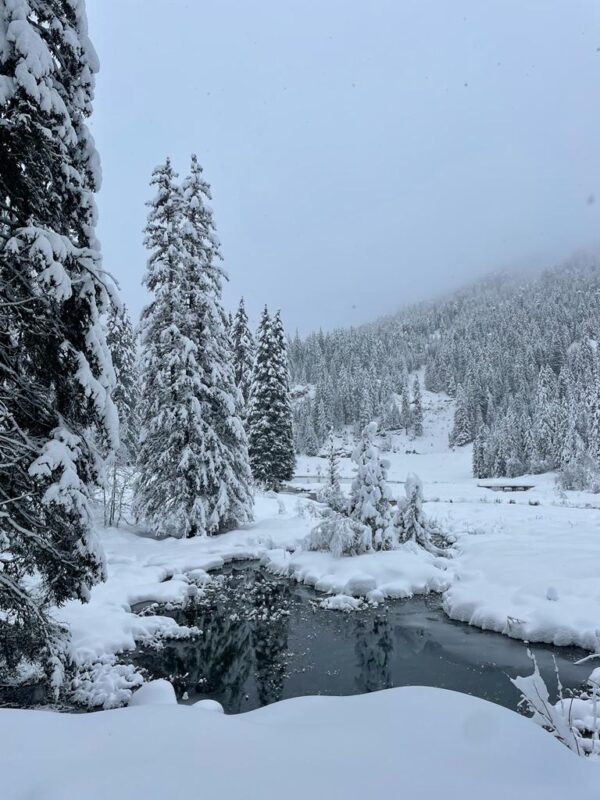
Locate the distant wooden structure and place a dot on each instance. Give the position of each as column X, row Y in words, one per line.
column 507, row 487
column 309, row 494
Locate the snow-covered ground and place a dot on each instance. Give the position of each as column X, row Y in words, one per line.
column 411, row 742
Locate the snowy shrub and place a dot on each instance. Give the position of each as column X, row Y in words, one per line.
column 105, row 684
column 574, row 721
column 339, row 535
column 307, row 509
column 410, row 522
column 579, row 475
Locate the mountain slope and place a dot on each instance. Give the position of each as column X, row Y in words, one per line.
column 519, row 357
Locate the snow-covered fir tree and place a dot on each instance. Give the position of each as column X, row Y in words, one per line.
column 410, row 523
column 405, row 409
column 548, row 421
column 369, row 501
column 270, row 433
column 417, row 408
column 194, row 475
column 56, row 370
column 461, row 433
column 391, row 416
column 126, row 397
column 331, row 492
column 242, row 343
column 479, row 448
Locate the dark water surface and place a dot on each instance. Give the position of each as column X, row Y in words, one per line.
column 265, row 639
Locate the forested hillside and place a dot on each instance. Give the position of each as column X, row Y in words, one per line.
column 519, row 356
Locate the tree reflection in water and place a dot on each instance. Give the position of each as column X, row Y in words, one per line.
column 241, row 649
column 265, row 639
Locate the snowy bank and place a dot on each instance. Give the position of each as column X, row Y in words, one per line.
column 297, row 749
column 527, row 572
column 403, row 572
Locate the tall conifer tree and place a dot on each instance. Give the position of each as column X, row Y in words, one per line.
column 55, row 370
column 194, row 470
column 126, row 397
column 417, row 408
column 243, row 350
column 270, row 412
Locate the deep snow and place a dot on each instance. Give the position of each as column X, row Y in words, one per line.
column 410, row 742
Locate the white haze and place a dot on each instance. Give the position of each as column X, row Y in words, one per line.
column 361, row 155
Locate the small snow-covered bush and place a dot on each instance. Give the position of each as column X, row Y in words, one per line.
column 339, row 535
column 105, row 683
column 410, row 523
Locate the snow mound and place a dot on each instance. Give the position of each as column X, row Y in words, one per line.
column 161, row 751
column 154, row 693
column 209, row 705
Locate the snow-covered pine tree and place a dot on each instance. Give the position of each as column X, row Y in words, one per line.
column 594, row 425
column 56, row 373
column 417, row 408
column 369, row 501
column 405, row 409
column 410, row 523
column 223, row 473
column 462, row 432
column 332, row 491
column 479, row 453
column 243, row 351
column 126, row 396
column 547, row 422
column 391, row 415
column 193, row 464
column 366, row 411
column 271, row 439
column 164, row 357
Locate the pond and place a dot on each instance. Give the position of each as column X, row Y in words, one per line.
column 265, row 639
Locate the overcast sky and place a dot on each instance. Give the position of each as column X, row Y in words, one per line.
column 361, row 155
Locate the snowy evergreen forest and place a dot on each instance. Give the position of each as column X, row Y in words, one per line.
column 519, row 356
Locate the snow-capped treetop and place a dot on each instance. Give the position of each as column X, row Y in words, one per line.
column 242, row 344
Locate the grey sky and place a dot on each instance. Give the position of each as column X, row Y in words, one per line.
column 362, row 155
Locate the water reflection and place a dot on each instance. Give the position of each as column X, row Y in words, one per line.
column 264, row 639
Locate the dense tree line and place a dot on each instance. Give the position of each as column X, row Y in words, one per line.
column 519, row 357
